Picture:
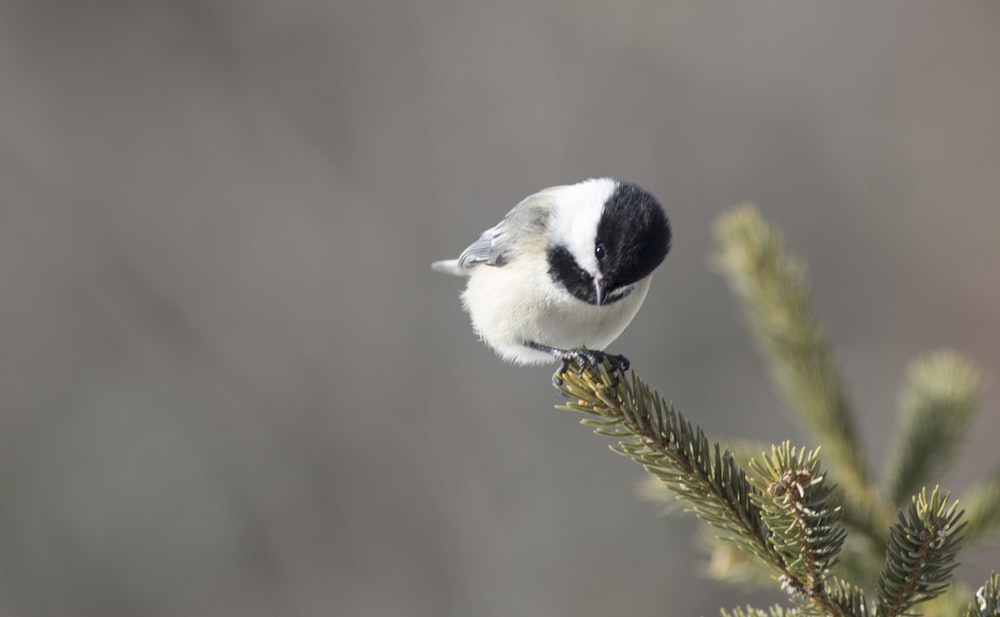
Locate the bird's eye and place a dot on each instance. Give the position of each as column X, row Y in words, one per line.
column 599, row 252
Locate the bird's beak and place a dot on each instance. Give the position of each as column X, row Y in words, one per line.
column 600, row 286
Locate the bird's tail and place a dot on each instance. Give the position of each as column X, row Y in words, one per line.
column 450, row 266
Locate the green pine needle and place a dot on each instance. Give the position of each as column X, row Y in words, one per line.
column 849, row 599
column 920, row 557
column 650, row 432
column 797, row 507
column 786, row 521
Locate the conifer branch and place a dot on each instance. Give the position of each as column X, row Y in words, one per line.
column 772, row 290
column 651, row 489
column 920, row 555
column 786, row 520
column 652, row 433
column 939, row 403
column 987, row 602
column 849, row 598
column 796, row 506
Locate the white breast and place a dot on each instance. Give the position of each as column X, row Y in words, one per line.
column 511, row 306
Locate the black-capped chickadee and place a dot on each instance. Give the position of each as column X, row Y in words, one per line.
column 566, row 269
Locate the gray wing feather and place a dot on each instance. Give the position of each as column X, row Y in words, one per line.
column 494, row 246
column 488, row 249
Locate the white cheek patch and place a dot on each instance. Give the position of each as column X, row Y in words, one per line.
column 577, row 212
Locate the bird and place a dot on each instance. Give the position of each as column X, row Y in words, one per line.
column 565, row 271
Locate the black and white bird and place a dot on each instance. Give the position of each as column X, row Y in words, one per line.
column 566, row 269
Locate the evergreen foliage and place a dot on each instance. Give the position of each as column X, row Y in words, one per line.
column 923, row 545
column 823, row 535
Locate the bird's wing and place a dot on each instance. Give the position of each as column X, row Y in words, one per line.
column 488, row 249
column 495, row 246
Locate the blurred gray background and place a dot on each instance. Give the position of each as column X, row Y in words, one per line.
column 230, row 384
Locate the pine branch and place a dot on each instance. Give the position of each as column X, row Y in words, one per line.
column 921, row 552
column 772, row 289
column 726, row 563
column 850, row 598
column 654, row 491
column 785, row 520
column 939, row 404
column 796, row 506
column 987, row 602
column 652, row 433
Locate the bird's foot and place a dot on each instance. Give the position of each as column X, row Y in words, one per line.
column 585, row 358
column 590, row 358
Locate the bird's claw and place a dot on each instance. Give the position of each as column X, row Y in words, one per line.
column 557, row 379
column 589, row 358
